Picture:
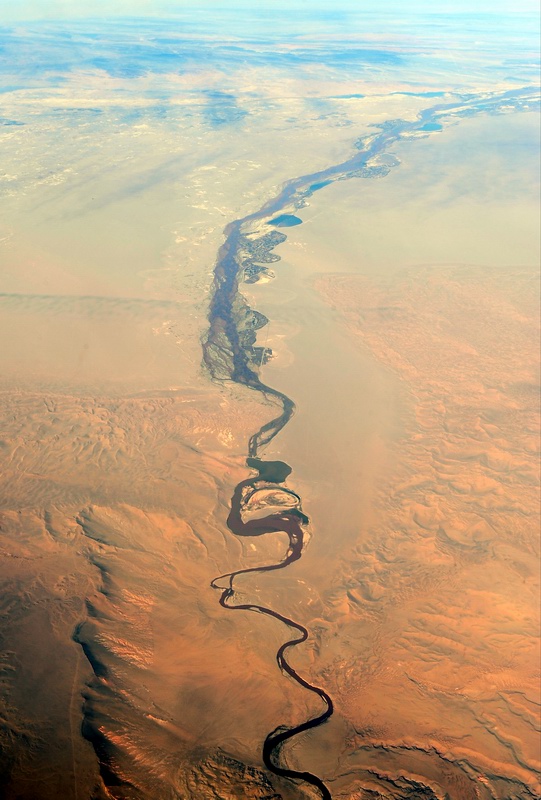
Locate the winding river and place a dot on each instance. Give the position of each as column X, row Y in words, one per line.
column 230, row 354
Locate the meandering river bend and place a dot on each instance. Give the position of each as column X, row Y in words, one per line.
column 230, row 354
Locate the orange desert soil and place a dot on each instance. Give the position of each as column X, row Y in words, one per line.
column 436, row 607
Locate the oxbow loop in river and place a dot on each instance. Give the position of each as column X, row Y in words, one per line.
column 251, row 495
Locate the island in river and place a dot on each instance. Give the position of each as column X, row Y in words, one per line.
column 332, row 424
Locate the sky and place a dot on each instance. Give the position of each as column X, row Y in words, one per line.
column 12, row 10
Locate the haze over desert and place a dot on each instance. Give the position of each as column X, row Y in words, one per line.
column 270, row 394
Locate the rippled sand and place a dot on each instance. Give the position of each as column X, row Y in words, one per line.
column 407, row 334
column 441, row 591
column 99, row 553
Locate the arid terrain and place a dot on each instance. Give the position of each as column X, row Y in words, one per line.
column 444, row 584
column 402, row 321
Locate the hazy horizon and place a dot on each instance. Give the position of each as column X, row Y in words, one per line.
column 64, row 9
column 269, row 297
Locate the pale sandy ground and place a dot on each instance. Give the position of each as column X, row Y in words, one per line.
column 416, row 449
column 119, row 458
column 118, row 455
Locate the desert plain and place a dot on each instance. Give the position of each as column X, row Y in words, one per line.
column 403, row 323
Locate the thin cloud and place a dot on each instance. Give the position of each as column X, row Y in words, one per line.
column 68, row 9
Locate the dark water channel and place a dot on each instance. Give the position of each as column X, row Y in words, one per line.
column 230, row 354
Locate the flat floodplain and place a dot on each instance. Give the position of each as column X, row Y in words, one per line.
column 371, row 184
